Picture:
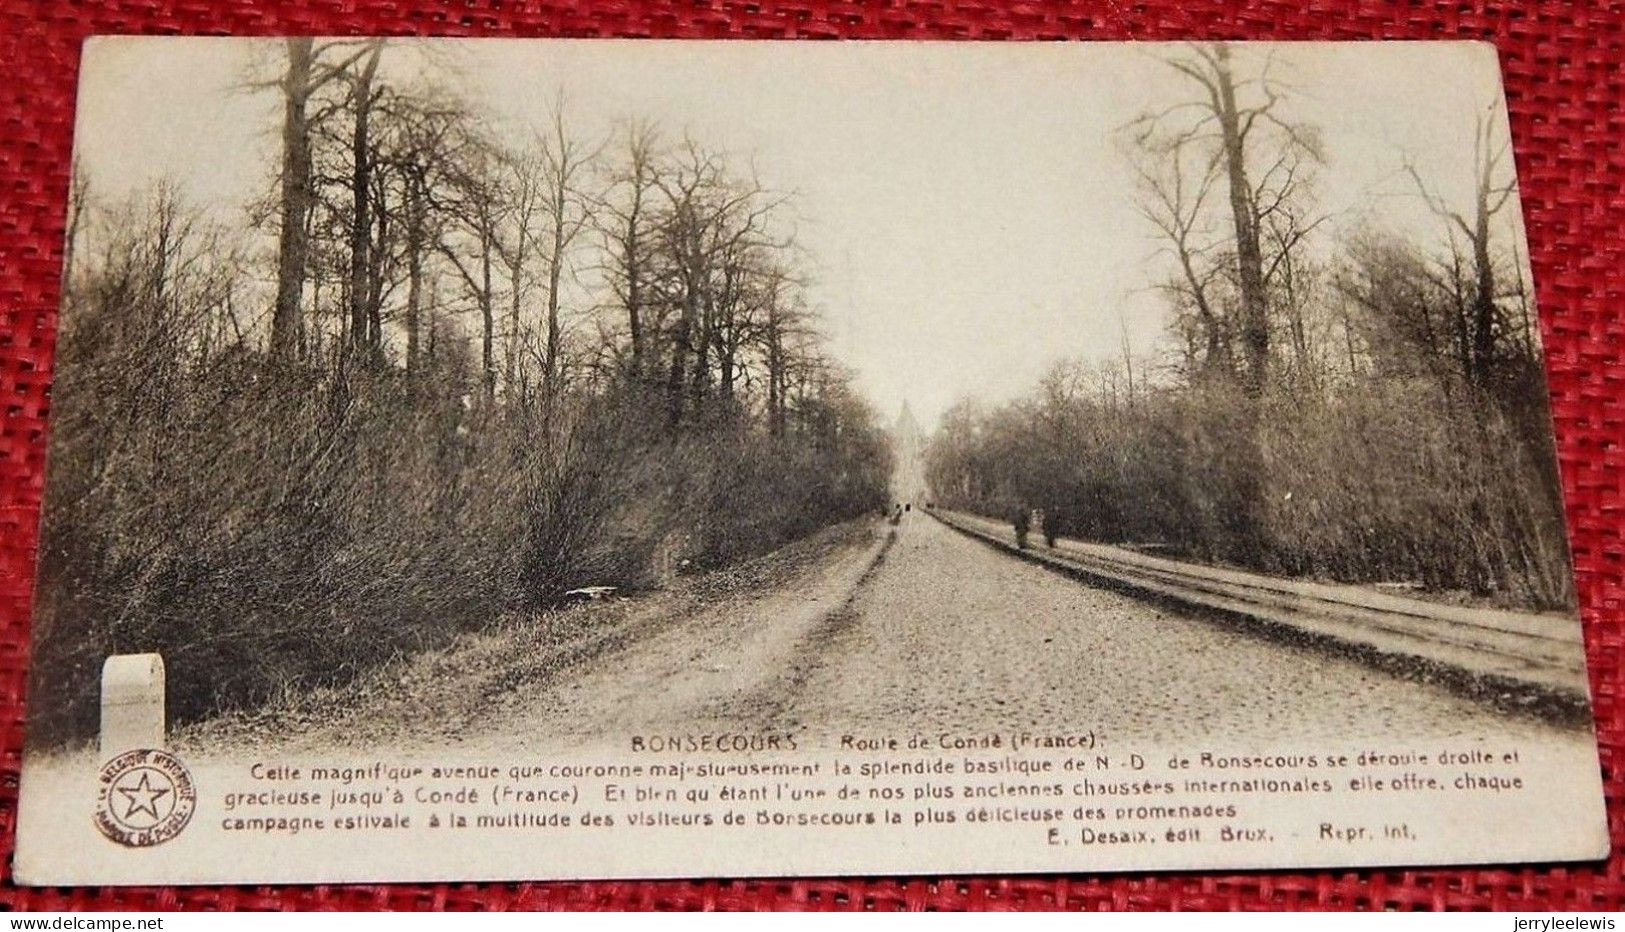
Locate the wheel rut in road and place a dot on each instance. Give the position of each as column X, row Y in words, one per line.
column 950, row 635
column 776, row 704
column 902, row 631
column 727, row 667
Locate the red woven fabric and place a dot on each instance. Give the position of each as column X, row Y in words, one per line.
column 1565, row 75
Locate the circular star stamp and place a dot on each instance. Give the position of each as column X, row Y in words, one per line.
column 145, row 797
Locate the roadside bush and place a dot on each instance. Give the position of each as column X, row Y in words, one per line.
column 1387, row 481
column 270, row 527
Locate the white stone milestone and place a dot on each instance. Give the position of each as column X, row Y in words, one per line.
column 132, row 703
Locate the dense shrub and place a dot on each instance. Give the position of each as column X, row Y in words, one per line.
column 1385, row 481
column 267, row 526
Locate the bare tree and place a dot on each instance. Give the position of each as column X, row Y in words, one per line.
column 566, row 211
column 1176, row 183
column 309, row 67
column 364, row 94
column 522, row 188
column 1262, row 179
column 424, row 141
column 784, row 320
column 627, row 218
column 713, row 222
column 79, row 194
column 1493, row 187
column 688, row 187
column 417, row 497
column 476, row 211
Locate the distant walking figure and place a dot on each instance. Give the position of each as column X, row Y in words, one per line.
column 1052, row 526
column 1023, row 521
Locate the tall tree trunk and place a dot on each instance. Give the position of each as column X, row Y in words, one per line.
column 414, row 272
column 487, row 315
column 1483, row 294
column 375, row 274
column 634, row 291
column 78, row 196
column 775, row 391
column 679, row 360
column 555, row 272
column 700, row 375
column 683, row 341
column 511, row 375
column 1244, row 515
column 728, row 372
column 361, row 201
column 727, row 339
column 293, row 244
column 772, row 349
column 1255, row 330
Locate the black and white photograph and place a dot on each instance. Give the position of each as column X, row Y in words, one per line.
column 501, row 459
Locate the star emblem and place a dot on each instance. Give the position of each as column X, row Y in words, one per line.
column 143, row 797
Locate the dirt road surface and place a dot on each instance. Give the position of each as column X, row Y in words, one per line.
column 872, row 629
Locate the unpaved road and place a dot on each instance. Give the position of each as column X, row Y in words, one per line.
column 952, row 634
column 875, row 631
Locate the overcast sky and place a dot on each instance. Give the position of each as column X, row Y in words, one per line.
column 968, row 210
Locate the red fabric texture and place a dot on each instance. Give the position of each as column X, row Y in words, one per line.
column 1565, row 79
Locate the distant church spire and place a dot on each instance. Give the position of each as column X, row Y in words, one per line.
column 908, row 450
column 905, row 423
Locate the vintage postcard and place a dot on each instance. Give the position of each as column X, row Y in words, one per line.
column 586, row 459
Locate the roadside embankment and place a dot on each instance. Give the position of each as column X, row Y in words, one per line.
column 1517, row 660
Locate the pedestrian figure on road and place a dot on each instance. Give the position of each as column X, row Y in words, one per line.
column 1052, row 526
column 1024, row 522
